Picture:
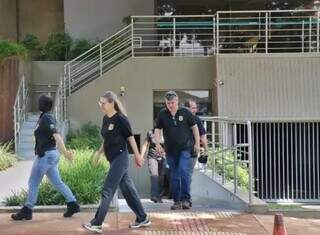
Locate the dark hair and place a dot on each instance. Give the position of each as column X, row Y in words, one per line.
column 45, row 103
column 188, row 101
column 170, row 95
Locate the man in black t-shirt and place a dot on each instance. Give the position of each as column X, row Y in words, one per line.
column 181, row 137
column 191, row 105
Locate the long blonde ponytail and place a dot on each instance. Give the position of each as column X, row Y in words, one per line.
column 112, row 97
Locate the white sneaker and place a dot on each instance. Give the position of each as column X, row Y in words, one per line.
column 145, row 223
column 92, row 228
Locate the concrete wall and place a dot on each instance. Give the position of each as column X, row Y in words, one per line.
column 45, row 76
column 37, row 17
column 46, row 72
column 95, row 20
column 140, row 77
column 8, row 21
column 273, row 85
column 205, row 190
column 40, row 18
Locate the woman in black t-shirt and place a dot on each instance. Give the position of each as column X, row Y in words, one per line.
column 46, row 162
column 116, row 131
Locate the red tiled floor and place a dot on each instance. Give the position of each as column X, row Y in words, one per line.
column 166, row 223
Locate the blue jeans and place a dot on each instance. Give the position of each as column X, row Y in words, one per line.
column 46, row 165
column 118, row 176
column 181, row 168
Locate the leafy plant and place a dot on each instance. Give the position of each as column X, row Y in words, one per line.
column 10, row 49
column 88, row 137
column 17, row 198
column 57, row 47
column 7, row 158
column 78, row 47
column 84, row 179
column 224, row 163
column 32, row 43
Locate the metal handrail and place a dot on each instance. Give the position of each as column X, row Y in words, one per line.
column 97, row 46
column 264, row 11
column 20, row 110
column 227, row 142
column 83, row 69
column 94, row 62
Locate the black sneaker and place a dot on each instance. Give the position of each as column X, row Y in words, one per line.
column 24, row 213
column 92, row 228
column 176, row 206
column 156, row 199
column 72, row 208
column 145, row 223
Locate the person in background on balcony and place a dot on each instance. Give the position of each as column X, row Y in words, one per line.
column 47, row 139
column 191, row 105
column 156, row 165
column 181, row 136
column 116, row 131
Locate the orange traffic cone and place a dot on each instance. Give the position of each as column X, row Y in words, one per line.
column 279, row 228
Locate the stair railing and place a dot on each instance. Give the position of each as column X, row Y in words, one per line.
column 20, row 110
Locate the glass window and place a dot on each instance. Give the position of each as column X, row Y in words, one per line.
column 199, row 7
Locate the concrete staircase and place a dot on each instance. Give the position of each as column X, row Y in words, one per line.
column 26, row 146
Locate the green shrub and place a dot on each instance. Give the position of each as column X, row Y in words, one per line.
column 7, row 158
column 88, row 137
column 17, row 198
column 242, row 171
column 57, row 47
column 84, row 180
column 32, row 43
column 10, row 49
column 78, row 47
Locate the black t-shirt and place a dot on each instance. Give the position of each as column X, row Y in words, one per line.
column 115, row 132
column 177, row 130
column 43, row 133
column 152, row 146
column 202, row 131
column 199, row 123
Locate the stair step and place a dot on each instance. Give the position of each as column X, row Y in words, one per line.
column 29, row 125
column 27, row 140
column 25, row 150
column 32, row 117
column 25, row 145
column 27, row 132
column 27, row 155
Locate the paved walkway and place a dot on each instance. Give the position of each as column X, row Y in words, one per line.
column 15, row 178
column 117, row 223
column 163, row 223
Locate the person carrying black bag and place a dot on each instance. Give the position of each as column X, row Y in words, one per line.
column 203, row 158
